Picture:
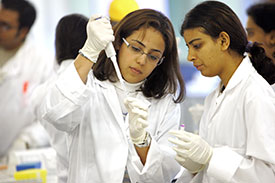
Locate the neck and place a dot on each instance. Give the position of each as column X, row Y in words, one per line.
column 232, row 63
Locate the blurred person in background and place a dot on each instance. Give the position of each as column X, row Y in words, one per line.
column 70, row 36
column 260, row 27
column 120, row 8
column 23, row 66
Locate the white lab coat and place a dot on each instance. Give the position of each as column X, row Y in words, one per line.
column 28, row 68
column 101, row 147
column 240, row 126
column 273, row 86
column 59, row 139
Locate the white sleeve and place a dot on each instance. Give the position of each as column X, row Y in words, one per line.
column 257, row 162
column 160, row 164
column 63, row 104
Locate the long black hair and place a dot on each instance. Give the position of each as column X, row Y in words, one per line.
column 215, row 17
column 70, row 36
column 166, row 77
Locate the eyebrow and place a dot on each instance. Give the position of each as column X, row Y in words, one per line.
column 139, row 42
column 190, row 42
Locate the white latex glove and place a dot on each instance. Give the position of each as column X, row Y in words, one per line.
column 138, row 112
column 191, row 146
column 190, row 165
column 99, row 34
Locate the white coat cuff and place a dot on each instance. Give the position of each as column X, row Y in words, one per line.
column 70, row 84
column 224, row 163
column 153, row 161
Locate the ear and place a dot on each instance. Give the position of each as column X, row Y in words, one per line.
column 271, row 38
column 23, row 33
column 224, row 40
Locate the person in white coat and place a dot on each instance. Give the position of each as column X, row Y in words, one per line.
column 70, row 36
column 23, row 66
column 236, row 141
column 118, row 129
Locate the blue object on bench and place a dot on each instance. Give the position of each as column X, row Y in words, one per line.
column 25, row 166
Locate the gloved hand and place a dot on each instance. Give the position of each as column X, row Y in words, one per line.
column 190, row 165
column 99, row 34
column 138, row 112
column 191, row 146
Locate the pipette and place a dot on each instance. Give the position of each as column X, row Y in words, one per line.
column 111, row 53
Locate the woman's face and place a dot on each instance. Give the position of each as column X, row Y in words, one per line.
column 141, row 56
column 204, row 52
column 256, row 34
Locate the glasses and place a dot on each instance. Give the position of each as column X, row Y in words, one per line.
column 138, row 51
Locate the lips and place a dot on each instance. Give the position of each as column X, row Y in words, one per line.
column 198, row 66
column 135, row 70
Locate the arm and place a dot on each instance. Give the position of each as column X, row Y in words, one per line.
column 99, row 34
column 257, row 162
column 253, row 161
column 65, row 101
column 83, row 66
column 160, row 165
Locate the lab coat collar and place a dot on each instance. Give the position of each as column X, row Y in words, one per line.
column 241, row 72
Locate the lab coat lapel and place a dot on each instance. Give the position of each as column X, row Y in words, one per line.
column 216, row 103
column 112, row 99
column 236, row 78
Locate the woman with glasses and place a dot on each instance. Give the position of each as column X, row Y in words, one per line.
column 120, row 129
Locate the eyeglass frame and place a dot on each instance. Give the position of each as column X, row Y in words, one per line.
column 142, row 52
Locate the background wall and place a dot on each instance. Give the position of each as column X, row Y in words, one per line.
column 197, row 86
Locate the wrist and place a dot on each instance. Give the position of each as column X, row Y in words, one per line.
column 88, row 54
column 145, row 141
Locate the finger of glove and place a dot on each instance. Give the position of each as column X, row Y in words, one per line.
column 139, row 112
column 100, row 26
column 192, row 166
column 141, row 124
column 135, row 102
column 95, row 17
column 99, row 29
column 182, row 152
column 181, row 144
column 180, row 160
column 181, row 134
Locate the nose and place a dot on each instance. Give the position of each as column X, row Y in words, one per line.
column 142, row 59
column 190, row 56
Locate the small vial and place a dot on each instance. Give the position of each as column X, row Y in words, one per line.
column 182, row 127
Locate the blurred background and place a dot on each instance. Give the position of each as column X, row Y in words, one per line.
column 50, row 11
column 197, row 86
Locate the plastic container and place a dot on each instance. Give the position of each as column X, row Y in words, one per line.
column 25, row 166
column 31, row 174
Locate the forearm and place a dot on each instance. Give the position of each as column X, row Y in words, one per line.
column 83, row 67
column 160, row 165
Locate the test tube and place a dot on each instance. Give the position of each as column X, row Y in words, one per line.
column 182, row 127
